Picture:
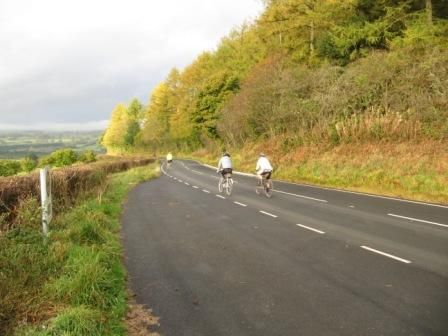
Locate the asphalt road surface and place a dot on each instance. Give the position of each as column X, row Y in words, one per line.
column 308, row 261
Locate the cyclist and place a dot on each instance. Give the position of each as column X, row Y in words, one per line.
column 169, row 157
column 225, row 165
column 263, row 168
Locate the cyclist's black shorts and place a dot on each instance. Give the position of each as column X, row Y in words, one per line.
column 226, row 171
column 169, row 161
column 266, row 174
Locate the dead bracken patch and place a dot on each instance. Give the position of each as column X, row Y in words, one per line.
column 140, row 321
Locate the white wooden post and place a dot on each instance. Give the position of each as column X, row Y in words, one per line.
column 44, row 199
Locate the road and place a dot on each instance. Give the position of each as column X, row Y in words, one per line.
column 308, row 261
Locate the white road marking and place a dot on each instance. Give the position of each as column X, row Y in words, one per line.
column 386, row 254
column 206, row 191
column 196, row 187
column 180, row 181
column 215, row 177
column 220, row 196
column 301, row 196
column 243, row 205
column 418, row 220
column 310, row 228
column 269, row 214
column 197, row 172
column 186, row 183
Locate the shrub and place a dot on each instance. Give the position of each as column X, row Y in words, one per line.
column 9, row 167
column 60, row 158
column 87, row 156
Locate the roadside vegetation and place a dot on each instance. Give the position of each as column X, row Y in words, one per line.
column 344, row 93
column 73, row 282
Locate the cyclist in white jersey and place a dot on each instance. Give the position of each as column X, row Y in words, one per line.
column 263, row 167
column 225, row 165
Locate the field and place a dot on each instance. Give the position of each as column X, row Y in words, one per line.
column 19, row 144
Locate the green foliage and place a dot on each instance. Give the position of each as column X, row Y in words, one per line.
column 29, row 163
column 9, row 167
column 87, row 157
column 60, row 158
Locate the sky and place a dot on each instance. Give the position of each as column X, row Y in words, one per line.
column 65, row 64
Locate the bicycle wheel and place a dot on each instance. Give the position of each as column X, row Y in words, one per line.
column 220, row 184
column 228, row 186
column 268, row 185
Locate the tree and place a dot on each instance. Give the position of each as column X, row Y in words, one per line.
column 114, row 137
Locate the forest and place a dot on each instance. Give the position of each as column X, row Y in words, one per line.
column 306, row 77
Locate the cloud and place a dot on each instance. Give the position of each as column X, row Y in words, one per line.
column 72, row 61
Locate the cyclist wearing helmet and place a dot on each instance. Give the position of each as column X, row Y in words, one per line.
column 225, row 164
column 263, row 168
column 169, row 157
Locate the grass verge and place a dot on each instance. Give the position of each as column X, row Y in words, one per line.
column 74, row 282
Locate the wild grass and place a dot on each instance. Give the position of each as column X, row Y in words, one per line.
column 72, row 283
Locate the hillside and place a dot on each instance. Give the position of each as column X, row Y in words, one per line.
column 350, row 94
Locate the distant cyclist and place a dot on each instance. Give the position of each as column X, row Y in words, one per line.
column 225, row 165
column 169, row 159
column 263, row 168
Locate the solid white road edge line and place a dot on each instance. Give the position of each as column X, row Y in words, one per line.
column 301, row 196
column 418, row 220
column 310, row 228
column 243, row 205
column 267, row 213
column 386, row 254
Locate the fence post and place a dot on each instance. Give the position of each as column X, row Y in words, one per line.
column 44, row 199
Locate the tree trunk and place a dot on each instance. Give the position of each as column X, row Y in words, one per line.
column 312, row 39
column 429, row 11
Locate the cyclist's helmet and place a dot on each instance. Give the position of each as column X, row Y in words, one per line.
column 262, row 154
column 226, row 154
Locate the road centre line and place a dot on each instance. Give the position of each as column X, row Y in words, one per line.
column 243, row 205
column 186, row 183
column 197, row 172
column 386, row 254
column 206, row 191
column 196, row 187
column 220, row 196
column 310, row 228
column 180, row 181
column 417, row 220
column 301, row 196
column 268, row 214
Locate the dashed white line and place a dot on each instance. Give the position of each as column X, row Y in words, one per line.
column 418, row 220
column 186, row 183
column 206, row 191
column 241, row 204
column 301, row 196
column 310, row 228
column 197, row 172
column 268, row 214
column 220, row 196
column 196, row 187
column 181, row 181
column 386, row 254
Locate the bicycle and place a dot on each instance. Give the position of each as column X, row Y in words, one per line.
column 168, row 164
column 226, row 184
column 266, row 184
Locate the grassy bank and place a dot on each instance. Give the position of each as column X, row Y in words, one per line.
column 417, row 171
column 74, row 283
